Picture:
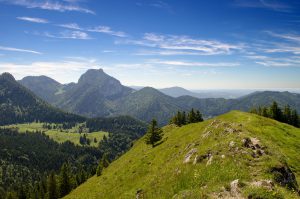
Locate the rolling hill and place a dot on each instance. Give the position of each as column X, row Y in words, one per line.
column 235, row 155
column 19, row 105
column 265, row 98
column 146, row 104
column 43, row 86
column 227, row 94
column 178, row 91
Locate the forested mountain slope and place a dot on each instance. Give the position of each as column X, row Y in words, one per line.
column 19, row 105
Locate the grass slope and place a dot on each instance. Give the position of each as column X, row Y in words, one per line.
column 60, row 136
column 160, row 172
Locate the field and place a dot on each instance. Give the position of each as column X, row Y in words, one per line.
column 160, row 172
column 61, row 135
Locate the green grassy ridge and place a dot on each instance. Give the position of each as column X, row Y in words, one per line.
column 60, row 136
column 160, row 171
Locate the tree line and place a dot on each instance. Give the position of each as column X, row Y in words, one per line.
column 154, row 134
column 285, row 114
column 181, row 118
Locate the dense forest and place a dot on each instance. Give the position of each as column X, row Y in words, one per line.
column 123, row 130
column 32, row 163
column 28, row 158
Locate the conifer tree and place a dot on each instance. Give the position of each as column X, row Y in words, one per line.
column 179, row 116
column 265, row 112
column 275, row 112
column 192, row 116
column 22, row 193
column 51, row 187
column 183, row 118
column 154, row 133
column 199, row 117
column 103, row 163
column 99, row 168
column 64, row 180
column 295, row 118
column 287, row 114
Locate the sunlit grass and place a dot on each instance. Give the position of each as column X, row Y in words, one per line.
column 160, row 171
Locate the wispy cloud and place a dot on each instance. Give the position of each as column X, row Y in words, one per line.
column 49, row 5
column 70, row 26
column 291, row 37
column 197, row 64
column 4, row 48
column 34, row 20
column 69, row 35
column 99, row 29
column 157, row 4
column 270, row 61
column 177, row 44
column 280, row 50
column 164, row 52
column 284, row 43
column 107, row 30
column 275, row 5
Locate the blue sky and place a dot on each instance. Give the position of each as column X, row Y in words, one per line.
column 196, row 44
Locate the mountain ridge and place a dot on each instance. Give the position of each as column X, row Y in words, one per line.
column 238, row 155
column 99, row 95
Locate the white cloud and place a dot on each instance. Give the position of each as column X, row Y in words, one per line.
column 49, row 5
column 281, row 50
column 107, row 30
column 285, row 43
column 158, row 4
column 70, row 26
column 271, row 61
column 199, row 64
column 69, row 35
column 266, row 4
column 183, row 44
column 19, row 50
column 34, row 20
column 165, row 52
column 98, row 29
column 291, row 37
column 108, row 51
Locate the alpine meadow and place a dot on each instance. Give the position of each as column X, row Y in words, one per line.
column 150, row 99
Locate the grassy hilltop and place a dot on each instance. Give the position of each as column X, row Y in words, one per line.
column 234, row 155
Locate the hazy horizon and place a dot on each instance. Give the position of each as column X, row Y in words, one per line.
column 199, row 90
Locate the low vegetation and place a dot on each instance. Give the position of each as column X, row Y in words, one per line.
column 234, row 155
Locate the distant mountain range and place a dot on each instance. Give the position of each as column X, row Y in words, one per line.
column 98, row 94
column 227, row 94
column 19, row 105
